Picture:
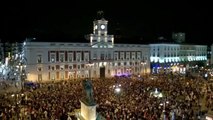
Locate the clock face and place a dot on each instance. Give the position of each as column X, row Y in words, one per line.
column 102, row 26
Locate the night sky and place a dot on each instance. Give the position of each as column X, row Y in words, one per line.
column 74, row 19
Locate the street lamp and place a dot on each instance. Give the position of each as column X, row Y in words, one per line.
column 17, row 101
column 117, row 89
column 164, row 108
column 21, row 69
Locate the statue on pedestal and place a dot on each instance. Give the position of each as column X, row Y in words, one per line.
column 88, row 92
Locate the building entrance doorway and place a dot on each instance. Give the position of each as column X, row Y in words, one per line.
column 102, row 72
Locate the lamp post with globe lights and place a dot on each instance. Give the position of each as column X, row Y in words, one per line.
column 164, row 114
column 164, row 102
column 17, row 98
column 117, row 90
column 22, row 75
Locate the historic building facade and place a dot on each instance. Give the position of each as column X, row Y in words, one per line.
column 100, row 57
column 176, row 57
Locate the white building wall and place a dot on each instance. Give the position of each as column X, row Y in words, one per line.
column 174, row 54
column 157, row 53
column 35, row 49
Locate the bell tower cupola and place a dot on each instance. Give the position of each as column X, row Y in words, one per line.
column 100, row 25
column 100, row 37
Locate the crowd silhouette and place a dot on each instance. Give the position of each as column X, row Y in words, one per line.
column 181, row 100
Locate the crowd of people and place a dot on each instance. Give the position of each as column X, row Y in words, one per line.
column 181, row 99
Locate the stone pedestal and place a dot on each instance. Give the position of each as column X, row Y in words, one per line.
column 209, row 116
column 87, row 112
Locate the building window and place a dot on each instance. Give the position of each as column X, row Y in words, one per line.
column 39, row 59
column 62, row 75
column 122, row 56
column 79, row 66
column 39, row 69
column 52, row 68
column 109, row 56
column 39, row 77
column 86, row 57
column 66, row 67
column 57, row 67
column 116, row 56
column 70, row 57
column 62, row 67
column 52, row 57
column 138, row 56
column 61, row 57
column 82, row 65
column 78, row 57
column 133, row 56
column 127, row 56
column 102, row 56
column 94, row 40
column 70, row 67
column 116, row 64
column 94, row 56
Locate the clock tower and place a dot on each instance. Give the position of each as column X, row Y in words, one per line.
column 100, row 38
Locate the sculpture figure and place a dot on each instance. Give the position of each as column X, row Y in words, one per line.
column 88, row 90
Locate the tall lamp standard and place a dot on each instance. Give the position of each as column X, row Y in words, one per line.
column 164, row 115
column 164, row 105
column 22, row 74
column 117, row 89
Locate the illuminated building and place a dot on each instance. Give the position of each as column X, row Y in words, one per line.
column 100, row 57
column 176, row 57
column 9, row 49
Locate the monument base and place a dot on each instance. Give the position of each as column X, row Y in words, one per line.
column 87, row 112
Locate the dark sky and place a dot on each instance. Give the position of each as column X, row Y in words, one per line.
column 73, row 19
